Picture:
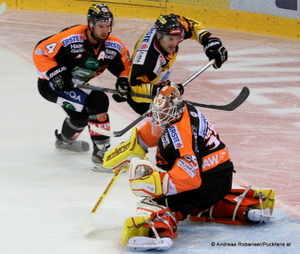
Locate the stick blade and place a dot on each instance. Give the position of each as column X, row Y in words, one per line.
column 101, row 131
column 86, row 227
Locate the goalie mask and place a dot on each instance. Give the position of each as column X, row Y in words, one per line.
column 167, row 106
column 99, row 13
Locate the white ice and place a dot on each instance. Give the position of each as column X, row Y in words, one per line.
column 46, row 194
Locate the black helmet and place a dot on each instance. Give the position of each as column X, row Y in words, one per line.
column 169, row 25
column 99, row 13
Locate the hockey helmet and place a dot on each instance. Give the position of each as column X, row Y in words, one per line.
column 99, row 13
column 169, row 25
column 167, row 106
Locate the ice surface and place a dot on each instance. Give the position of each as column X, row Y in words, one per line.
column 46, row 194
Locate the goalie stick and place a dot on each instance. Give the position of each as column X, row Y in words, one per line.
column 243, row 95
column 87, row 227
column 2, row 7
column 120, row 133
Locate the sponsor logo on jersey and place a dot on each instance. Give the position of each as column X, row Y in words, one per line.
column 73, row 95
column 144, row 46
column 148, row 36
column 77, row 51
column 146, row 41
column 193, row 114
column 40, row 52
column 214, row 159
column 91, row 63
column 195, row 134
column 110, row 52
column 68, row 105
column 186, row 167
column 165, row 140
column 72, row 39
column 175, row 137
column 77, row 48
column 162, row 59
column 140, row 57
column 114, row 45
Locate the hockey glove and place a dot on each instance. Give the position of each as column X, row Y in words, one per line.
column 178, row 86
column 121, row 155
column 144, row 179
column 215, row 50
column 123, row 87
column 61, row 78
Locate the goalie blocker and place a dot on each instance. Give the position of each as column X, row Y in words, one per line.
column 121, row 155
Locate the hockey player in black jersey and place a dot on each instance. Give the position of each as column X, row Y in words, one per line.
column 155, row 54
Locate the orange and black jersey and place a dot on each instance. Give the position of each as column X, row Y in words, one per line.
column 151, row 66
column 71, row 48
column 188, row 150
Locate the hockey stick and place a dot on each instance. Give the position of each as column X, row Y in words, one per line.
column 2, row 7
column 121, row 132
column 108, row 90
column 243, row 95
column 87, row 226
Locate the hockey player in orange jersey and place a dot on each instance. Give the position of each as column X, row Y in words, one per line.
column 76, row 55
column 192, row 178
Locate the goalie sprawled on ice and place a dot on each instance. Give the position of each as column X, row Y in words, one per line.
column 193, row 179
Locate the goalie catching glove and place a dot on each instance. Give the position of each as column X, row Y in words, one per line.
column 121, row 155
column 144, row 180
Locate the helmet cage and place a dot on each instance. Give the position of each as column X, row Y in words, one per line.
column 99, row 13
column 167, row 106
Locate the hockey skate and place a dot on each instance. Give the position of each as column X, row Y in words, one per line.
column 259, row 215
column 97, row 158
column 143, row 243
column 71, row 145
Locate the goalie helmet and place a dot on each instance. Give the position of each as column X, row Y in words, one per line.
column 167, row 106
column 169, row 25
column 99, row 13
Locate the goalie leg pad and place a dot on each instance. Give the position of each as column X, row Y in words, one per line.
column 255, row 207
column 162, row 219
column 121, row 155
column 133, row 227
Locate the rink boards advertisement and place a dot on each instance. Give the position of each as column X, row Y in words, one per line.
column 270, row 17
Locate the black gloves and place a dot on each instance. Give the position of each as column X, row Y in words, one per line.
column 176, row 85
column 215, row 50
column 122, row 85
column 61, row 78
